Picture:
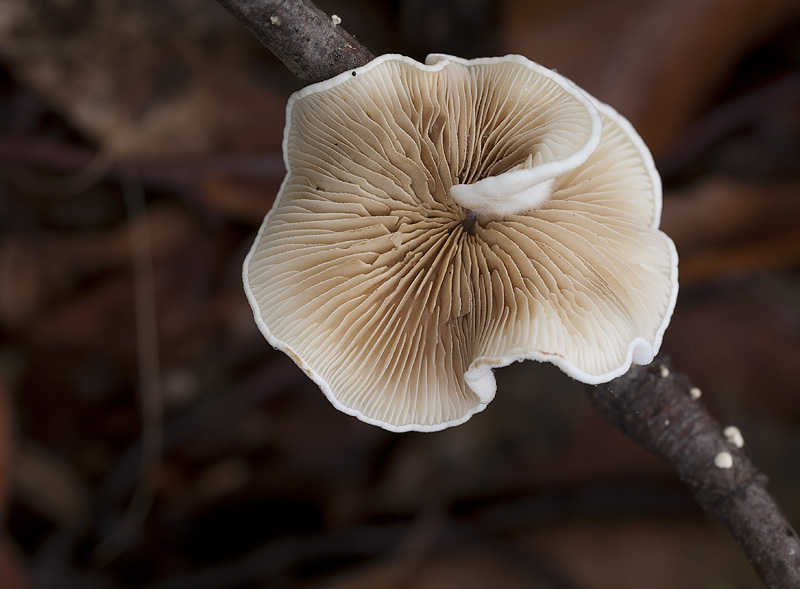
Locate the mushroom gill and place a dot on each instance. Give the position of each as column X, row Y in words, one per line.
column 439, row 220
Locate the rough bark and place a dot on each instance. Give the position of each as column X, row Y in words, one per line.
column 304, row 38
column 650, row 404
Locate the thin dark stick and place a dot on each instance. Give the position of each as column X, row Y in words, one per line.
column 653, row 406
column 304, row 38
column 135, row 514
column 650, row 404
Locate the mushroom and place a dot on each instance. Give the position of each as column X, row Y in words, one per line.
column 440, row 220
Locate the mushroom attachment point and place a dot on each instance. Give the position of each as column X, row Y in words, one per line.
column 440, row 220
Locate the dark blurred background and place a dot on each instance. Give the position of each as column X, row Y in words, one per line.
column 139, row 151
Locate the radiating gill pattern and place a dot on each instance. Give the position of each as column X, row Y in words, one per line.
column 386, row 292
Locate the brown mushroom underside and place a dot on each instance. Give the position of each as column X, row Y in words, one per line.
column 386, row 291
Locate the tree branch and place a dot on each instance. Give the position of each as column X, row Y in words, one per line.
column 650, row 404
column 304, row 38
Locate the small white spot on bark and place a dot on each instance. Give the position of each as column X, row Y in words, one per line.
column 666, row 422
column 336, row 20
column 723, row 460
column 664, row 371
column 276, row 20
column 733, row 435
column 695, row 393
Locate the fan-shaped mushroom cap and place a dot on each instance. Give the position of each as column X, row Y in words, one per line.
column 440, row 220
